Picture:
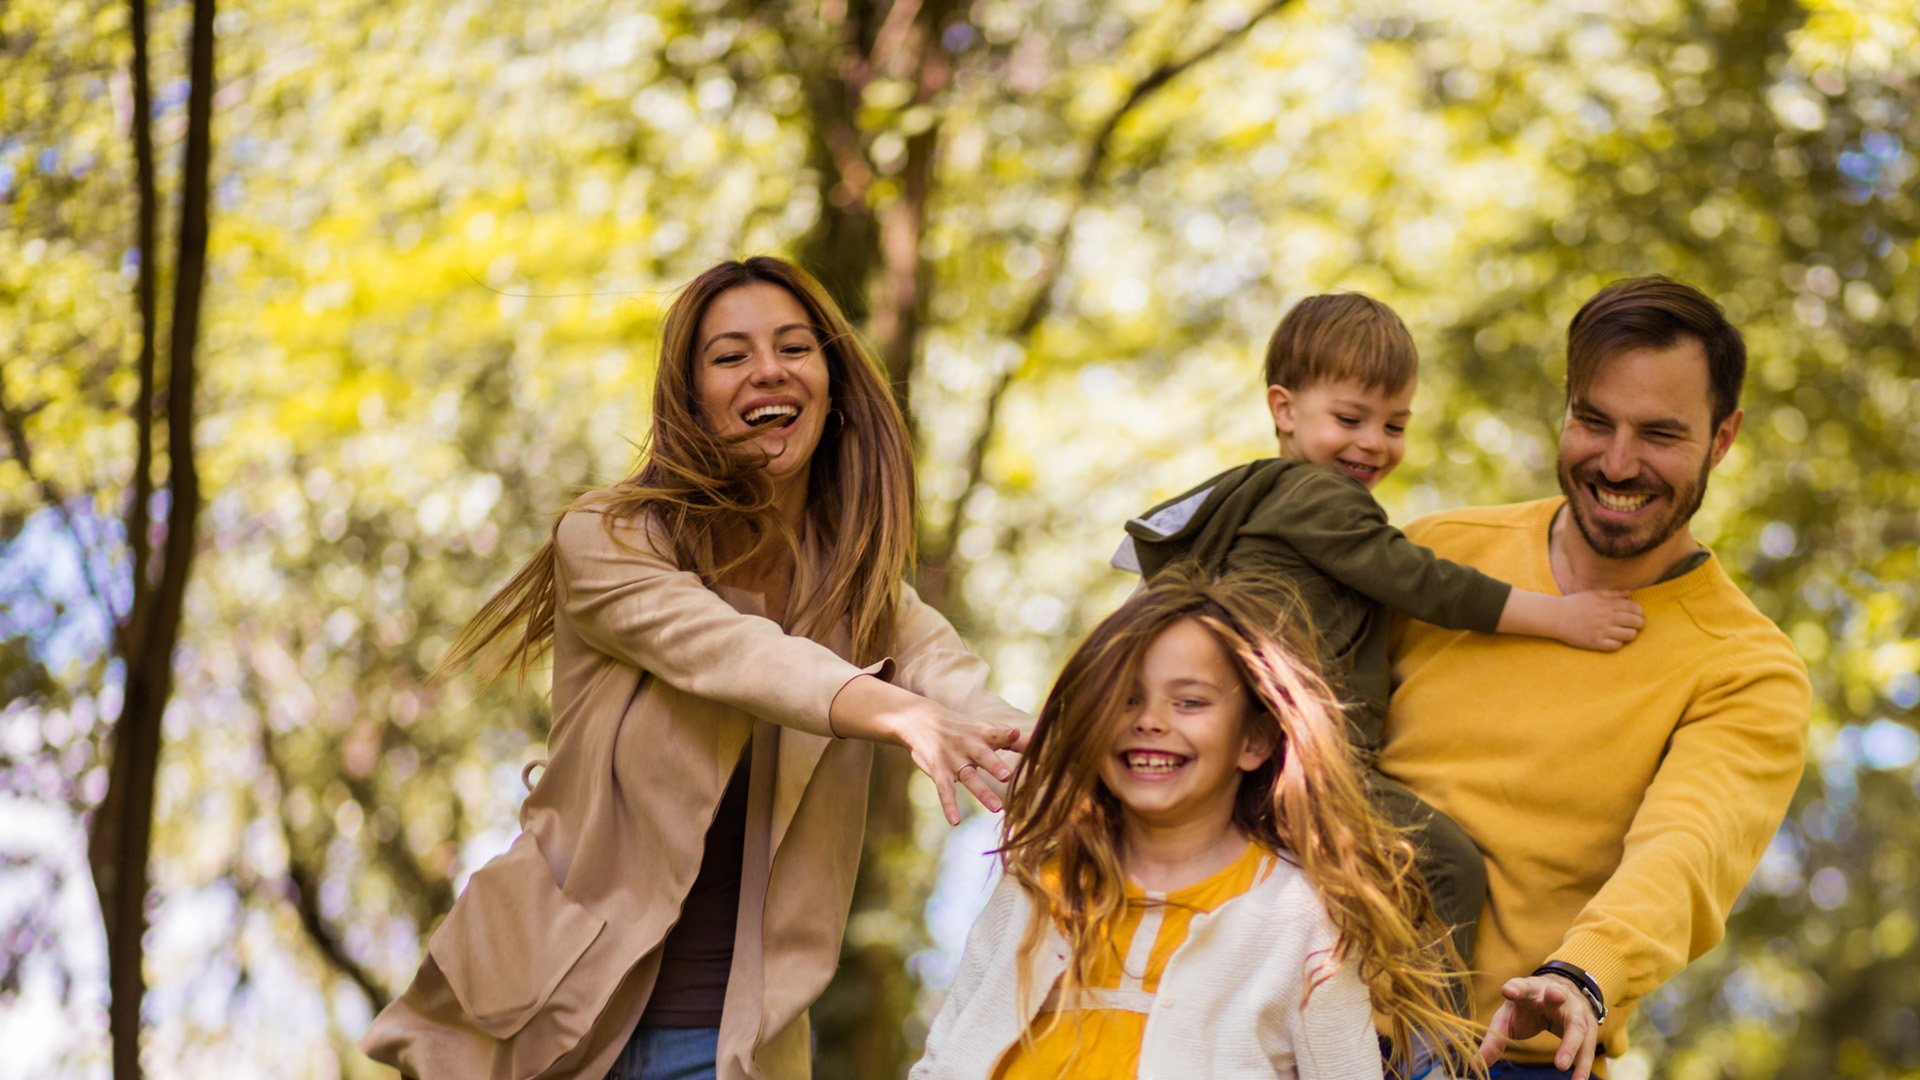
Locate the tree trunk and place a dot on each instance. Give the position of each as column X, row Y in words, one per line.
column 139, row 508
column 121, row 845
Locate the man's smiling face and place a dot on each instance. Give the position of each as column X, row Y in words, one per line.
column 1637, row 446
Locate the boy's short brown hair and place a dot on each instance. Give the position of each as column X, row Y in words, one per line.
column 1342, row 336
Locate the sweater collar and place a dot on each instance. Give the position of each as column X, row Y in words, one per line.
column 1703, row 571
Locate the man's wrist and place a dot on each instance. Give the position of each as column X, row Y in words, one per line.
column 1582, row 981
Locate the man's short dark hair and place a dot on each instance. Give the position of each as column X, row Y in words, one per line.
column 1656, row 312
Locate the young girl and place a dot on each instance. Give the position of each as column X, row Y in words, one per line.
column 1195, row 884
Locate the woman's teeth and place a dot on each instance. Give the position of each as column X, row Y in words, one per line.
column 1152, row 761
column 771, row 414
column 1622, row 503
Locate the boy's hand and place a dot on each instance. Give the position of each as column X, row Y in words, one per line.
column 1601, row 619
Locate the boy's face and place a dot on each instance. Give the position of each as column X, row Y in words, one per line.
column 1358, row 429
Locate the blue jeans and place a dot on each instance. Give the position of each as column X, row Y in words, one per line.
column 664, row 1053
column 1513, row 1070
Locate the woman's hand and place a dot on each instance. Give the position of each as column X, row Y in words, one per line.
column 946, row 745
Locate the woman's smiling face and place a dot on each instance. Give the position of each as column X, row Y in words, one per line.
column 758, row 364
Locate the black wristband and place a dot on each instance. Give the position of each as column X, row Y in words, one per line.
column 1578, row 977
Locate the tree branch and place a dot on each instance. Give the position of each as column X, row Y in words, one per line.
column 304, row 881
column 1053, row 261
column 834, row 86
column 306, row 903
column 910, row 38
column 891, row 40
column 15, row 424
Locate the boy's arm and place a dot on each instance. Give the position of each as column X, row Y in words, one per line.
column 1336, row 525
column 1602, row 620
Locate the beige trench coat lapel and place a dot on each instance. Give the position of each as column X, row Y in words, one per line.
column 799, row 751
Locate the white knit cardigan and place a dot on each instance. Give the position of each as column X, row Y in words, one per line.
column 1229, row 1003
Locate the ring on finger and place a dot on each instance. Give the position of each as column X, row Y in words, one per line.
column 962, row 770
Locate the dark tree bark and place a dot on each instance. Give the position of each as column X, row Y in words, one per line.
column 831, row 57
column 120, row 847
column 140, row 508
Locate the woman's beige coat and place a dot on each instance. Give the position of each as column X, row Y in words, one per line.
column 660, row 684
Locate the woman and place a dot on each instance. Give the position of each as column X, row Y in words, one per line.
column 730, row 637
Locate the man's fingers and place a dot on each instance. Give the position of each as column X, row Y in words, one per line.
column 1496, row 1040
column 1576, row 1048
column 1587, row 1032
column 1585, row 1069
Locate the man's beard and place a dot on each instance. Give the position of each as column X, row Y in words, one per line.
column 1616, row 542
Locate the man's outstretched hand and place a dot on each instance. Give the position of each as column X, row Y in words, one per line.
column 1538, row 1003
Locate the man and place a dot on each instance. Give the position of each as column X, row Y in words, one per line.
column 1622, row 799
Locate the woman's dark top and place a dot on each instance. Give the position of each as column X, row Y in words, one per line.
column 699, row 949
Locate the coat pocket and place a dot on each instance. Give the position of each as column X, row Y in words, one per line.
column 510, row 938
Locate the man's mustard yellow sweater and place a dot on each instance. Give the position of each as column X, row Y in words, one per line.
column 1622, row 799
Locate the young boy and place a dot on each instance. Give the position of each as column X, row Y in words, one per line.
column 1340, row 381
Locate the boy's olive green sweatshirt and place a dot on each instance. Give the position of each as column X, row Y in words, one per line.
column 1318, row 531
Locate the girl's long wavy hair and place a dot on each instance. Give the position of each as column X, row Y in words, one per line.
column 1062, row 833
column 710, row 499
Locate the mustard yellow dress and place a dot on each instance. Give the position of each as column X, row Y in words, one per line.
column 1102, row 1039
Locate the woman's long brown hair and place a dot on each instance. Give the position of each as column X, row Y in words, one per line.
column 710, row 499
column 1062, row 838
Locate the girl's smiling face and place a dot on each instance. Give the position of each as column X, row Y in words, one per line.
column 1178, row 754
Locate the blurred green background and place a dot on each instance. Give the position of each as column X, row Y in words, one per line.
column 443, row 234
